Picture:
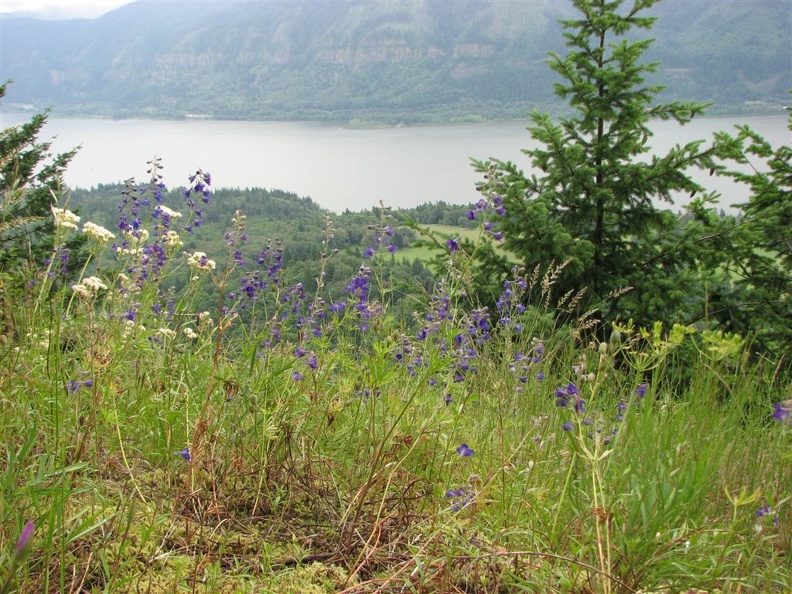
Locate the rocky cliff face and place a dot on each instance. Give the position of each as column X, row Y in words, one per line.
column 320, row 58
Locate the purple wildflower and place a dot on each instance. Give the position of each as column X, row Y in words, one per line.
column 23, row 544
column 185, row 453
column 782, row 410
column 337, row 307
column 453, row 244
column 567, row 426
column 465, row 451
column 467, row 498
column 74, row 385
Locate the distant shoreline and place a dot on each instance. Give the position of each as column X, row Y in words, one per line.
column 373, row 119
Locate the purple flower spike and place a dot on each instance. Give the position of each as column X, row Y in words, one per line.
column 465, row 451
column 185, row 453
column 781, row 411
column 23, row 544
column 567, row 426
column 74, row 385
column 453, row 244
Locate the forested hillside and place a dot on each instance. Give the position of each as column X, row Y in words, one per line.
column 369, row 61
column 308, row 240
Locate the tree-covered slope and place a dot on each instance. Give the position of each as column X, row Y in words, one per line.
column 354, row 60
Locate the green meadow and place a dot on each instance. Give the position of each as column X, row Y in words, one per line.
column 278, row 442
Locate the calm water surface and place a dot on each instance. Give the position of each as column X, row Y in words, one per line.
column 337, row 167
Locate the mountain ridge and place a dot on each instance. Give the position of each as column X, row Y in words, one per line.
column 389, row 60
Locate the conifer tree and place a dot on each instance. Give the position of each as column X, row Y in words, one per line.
column 30, row 181
column 597, row 198
column 756, row 259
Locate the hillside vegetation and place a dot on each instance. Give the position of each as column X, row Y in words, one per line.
column 365, row 61
column 577, row 392
column 278, row 442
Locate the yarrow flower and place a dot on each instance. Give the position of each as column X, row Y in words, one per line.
column 97, row 233
column 190, row 333
column 65, row 219
column 199, row 261
column 163, row 210
column 89, row 287
column 171, row 239
column 131, row 328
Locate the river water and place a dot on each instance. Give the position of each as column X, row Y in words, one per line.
column 339, row 168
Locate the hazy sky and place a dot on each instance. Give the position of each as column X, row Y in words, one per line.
column 61, row 9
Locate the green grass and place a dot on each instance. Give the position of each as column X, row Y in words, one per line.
column 426, row 253
column 331, row 463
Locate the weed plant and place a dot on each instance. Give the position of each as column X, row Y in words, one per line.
column 286, row 442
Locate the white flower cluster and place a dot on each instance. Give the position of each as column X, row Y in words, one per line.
column 65, row 219
column 89, row 287
column 190, row 333
column 166, row 332
column 205, row 320
column 95, row 232
column 199, row 261
column 168, row 212
column 137, row 238
column 172, row 239
column 135, row 242
column 132, row 329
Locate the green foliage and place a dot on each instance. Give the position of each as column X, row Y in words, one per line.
column 596, row 201
column 757, row 251
column 30, row 184
column 239, row 450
